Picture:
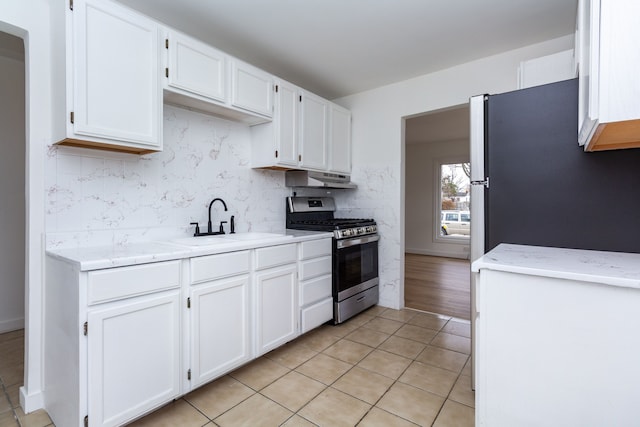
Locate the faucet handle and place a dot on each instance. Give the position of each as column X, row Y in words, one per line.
column 221, row 226
column 197, row 228
column 233, row 225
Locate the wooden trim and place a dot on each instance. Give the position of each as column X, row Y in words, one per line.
column 70, row 142
column 615, row 136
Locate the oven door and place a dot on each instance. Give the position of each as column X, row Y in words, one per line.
column 355, row 265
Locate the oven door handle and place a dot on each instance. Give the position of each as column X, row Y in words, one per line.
column 341, row 244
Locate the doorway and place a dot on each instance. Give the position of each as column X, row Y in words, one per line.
column 437, row 268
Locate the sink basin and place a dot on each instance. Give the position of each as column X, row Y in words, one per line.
column 255, row 236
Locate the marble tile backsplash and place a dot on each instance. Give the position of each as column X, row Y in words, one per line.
column 97, row 197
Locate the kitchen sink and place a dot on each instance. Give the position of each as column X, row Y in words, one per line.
column 250, row 235
column 225, row 239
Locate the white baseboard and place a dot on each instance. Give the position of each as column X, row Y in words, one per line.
column 446, row 254
column 31, row 402
column 11, row 325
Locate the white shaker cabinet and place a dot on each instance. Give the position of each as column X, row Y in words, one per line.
column 195, row 67
column 314, row 132
column 276, row 284
column 133, row 357
column 339, row 139
column 251, row 88
column 106, row 92
column 113, row 341
column 314, row 270
column 609, row 74
column 220, row 332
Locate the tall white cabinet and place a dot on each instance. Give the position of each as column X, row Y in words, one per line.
column 108, row 94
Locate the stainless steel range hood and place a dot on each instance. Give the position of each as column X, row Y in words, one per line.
column 310, row 179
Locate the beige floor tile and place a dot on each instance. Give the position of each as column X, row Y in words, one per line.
column 8, row 420
column 38, row 418
column 385, row 363
column 361, row 318
column 462, row 392
column 12, row 375
column 429, row 321
column 455, row 414
column 467, row 368
column 402, row 346
column 458, row 327
column 219, row 396
column 378, row 418
column 318, row 339
column 293, row 391
column 452, row 342
column 443, row 358
column 367, row 337
column 297, row 421
column 376, row 310
column 291, row 355
column 344, row 329
column 381, row 324
column 416, row 333
column 324, row 368
column 403, row 315
column 253, row 412
column 348, row 351
column 334, row 408
column 178, row 413
column 363, row 384
column 410, row 403
column 259, row 373
column 429, row 378
column 14, row 394
column 5, row 405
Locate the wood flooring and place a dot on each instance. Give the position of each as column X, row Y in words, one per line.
column 439, row 285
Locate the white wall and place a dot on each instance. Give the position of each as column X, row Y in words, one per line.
column 97, row 197
column 420, row 196
column 378, row 148
column 12, row 208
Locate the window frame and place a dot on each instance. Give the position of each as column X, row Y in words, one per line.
column 437, row 215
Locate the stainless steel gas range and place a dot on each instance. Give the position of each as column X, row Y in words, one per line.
column 355, row 252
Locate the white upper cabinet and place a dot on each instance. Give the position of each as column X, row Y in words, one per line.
column 195, row 67
column 340, row 139
column 107, row 82
column 314, row 128
column 251, row 88
column 609, row 71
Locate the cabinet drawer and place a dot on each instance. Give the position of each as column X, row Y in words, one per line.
column 315, row 267
column 315, row 248
column 316, row 315
column 218, row 266
column 116, row 283
column 315, row 290
column 275, row 255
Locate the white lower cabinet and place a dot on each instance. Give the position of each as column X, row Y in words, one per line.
column 276, row 307
column 133, row 357
column 315, row 268
column 220, row 330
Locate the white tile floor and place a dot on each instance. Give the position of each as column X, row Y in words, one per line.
column 382, row 368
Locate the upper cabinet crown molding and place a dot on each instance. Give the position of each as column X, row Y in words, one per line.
column 609, row 78
column 106, row 87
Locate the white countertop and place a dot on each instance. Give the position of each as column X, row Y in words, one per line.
column 611, row 268
column 99, row 257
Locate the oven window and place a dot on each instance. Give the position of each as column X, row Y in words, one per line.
column 355, row 265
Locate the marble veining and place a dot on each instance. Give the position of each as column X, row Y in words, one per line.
column 612, row 268
column 101, row 198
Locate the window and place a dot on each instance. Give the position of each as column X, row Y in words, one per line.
column 453, row 197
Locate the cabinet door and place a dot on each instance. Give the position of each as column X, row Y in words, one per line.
column 286, row 123
column 133, row 357
column 277, row 307
column 220, row 338
column 115, row 66
column 196, row 67
column 252, row 88
column 313, row 133
column 340, row 145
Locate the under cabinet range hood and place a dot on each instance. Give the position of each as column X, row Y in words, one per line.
column 310, row 179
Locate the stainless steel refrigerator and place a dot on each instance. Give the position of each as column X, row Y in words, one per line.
column 534, row 185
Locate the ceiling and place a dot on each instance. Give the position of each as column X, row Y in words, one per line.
column 341, row 47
